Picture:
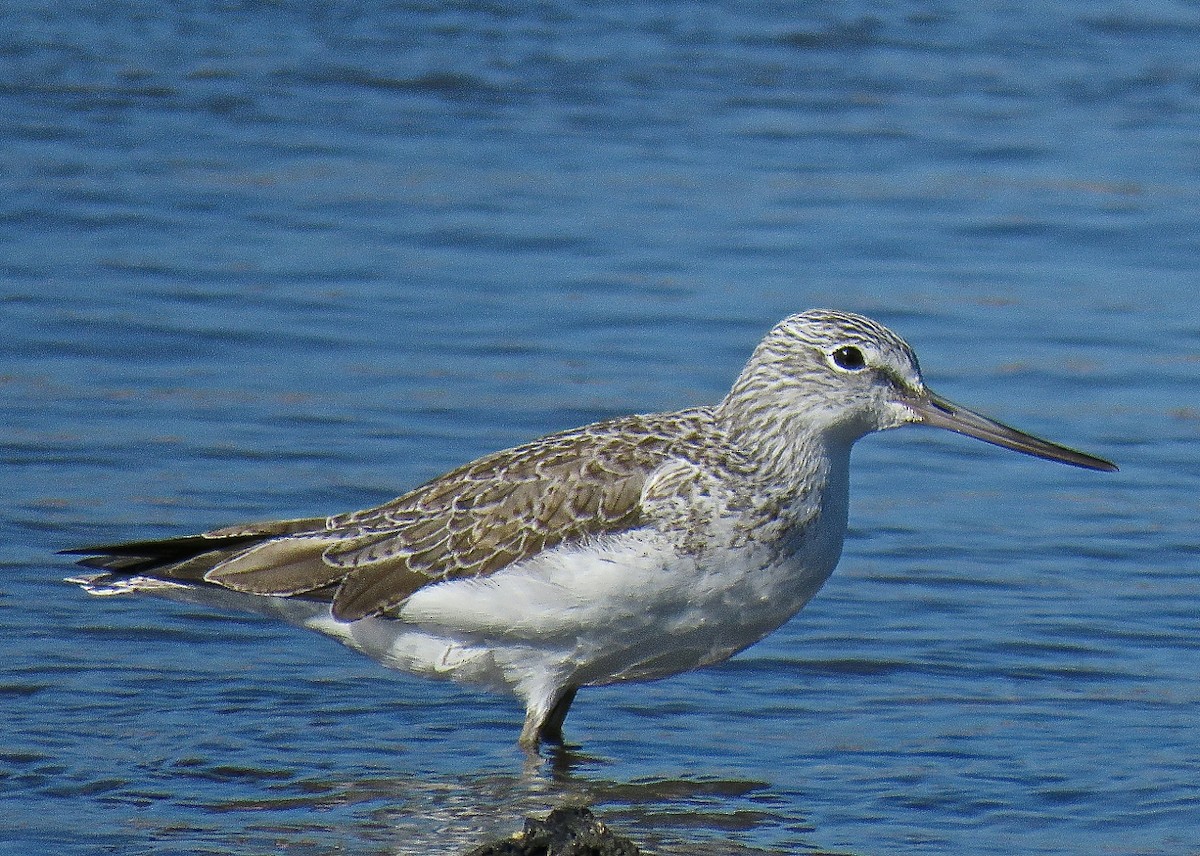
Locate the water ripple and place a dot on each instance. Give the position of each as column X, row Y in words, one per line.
column 288, row 259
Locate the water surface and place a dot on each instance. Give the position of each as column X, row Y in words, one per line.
column 265, row 260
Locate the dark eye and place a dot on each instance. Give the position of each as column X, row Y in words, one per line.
column 850, row 358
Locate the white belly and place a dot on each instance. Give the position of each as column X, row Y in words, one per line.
column 633, row 610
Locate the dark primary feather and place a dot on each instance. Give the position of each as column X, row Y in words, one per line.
column 473, row 521
column 136, row 556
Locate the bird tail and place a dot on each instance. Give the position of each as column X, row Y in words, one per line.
column 173, row 563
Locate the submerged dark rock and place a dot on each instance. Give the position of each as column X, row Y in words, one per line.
column 569, row 831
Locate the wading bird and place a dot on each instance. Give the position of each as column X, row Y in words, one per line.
column 627, row 550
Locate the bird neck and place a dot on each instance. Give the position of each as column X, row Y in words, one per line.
column 785, row 451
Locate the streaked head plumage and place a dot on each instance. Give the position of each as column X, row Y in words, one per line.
column 837, row 376
column 832, row 371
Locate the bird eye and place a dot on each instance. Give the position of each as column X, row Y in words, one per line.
column 850, row 358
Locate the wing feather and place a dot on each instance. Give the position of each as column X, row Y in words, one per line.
column 473, row 521
column 284, row 567
column 507, row 507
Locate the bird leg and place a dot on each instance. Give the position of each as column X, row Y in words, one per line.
column 547, row 728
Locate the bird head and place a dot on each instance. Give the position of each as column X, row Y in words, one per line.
column 842, row 376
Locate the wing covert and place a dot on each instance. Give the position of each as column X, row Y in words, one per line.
column 502, row 509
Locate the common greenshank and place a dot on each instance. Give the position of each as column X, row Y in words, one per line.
column 625, row 550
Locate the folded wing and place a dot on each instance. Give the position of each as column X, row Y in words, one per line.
column 472, row 521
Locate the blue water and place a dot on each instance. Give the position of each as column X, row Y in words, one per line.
column 281, row 259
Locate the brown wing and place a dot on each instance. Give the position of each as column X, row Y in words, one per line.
column 501, row 509
column 472, row 521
